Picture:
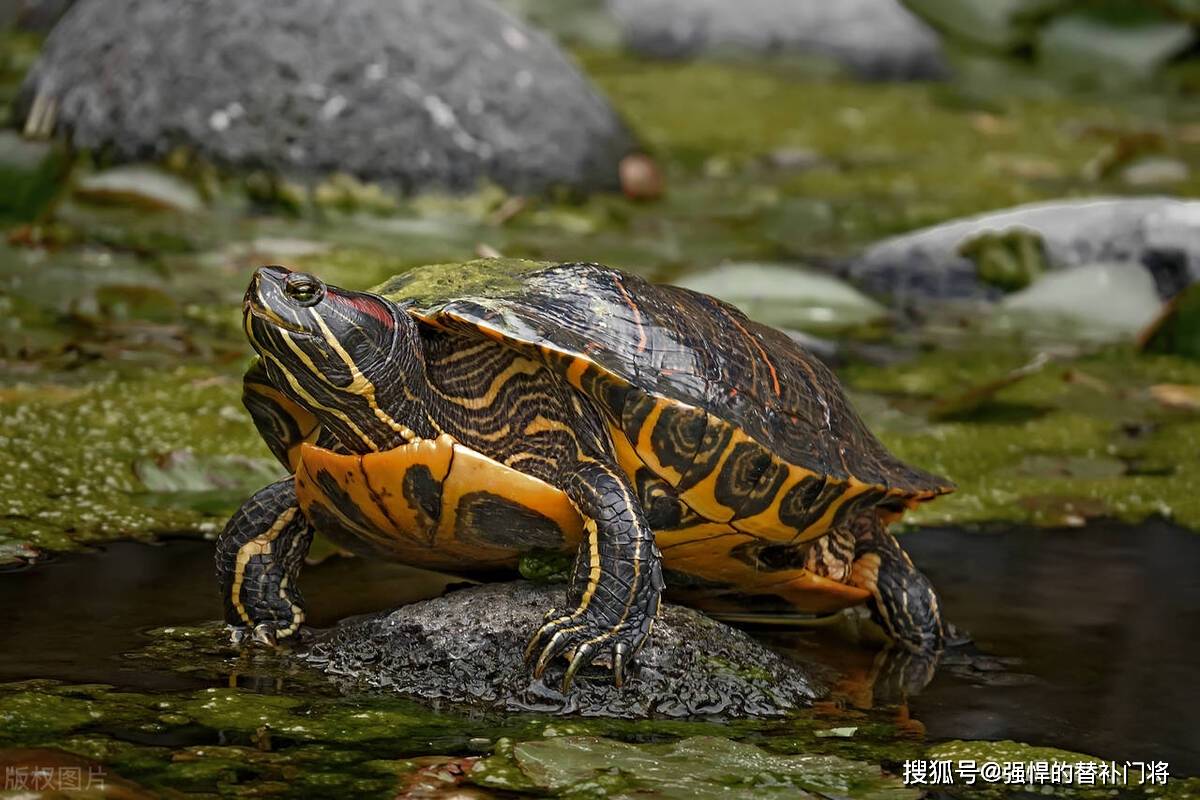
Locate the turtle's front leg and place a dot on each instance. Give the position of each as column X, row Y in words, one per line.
column 259, row 555
column 621, row 579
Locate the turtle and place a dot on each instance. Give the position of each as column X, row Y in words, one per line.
column 462, row 417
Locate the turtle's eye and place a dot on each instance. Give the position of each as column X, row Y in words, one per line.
column 304, row 288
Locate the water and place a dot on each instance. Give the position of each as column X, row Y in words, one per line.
column 1083, row 639
column 1104, row 622
column 73, row 617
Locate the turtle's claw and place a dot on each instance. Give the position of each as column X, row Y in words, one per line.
column 264, row 634
column 620, row 656
column 583, row 656
column 555, row 646
column 585, row 640
column 237, row 634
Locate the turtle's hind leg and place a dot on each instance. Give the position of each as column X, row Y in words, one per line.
column 903, row 602
column 259, row 555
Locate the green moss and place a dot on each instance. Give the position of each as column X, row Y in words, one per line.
column 1003, row 751
column 1010, row 260
column 1073, row 440
column 72, row 448
column 485, row 277
column 698, row 767
column 898, row 156
column 346, row 193
column 305, row 742
column 546, row 566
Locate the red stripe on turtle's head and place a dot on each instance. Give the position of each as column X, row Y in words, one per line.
column 366, row 304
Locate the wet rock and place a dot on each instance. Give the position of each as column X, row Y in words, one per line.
column 1110, row 52
column 1100, row 298
column 872, row 38
column 412, row 94
column 994, row 24
column 140, row 187
column 702, row 767
column 468, row 646
column 1158, row 233
column 787, row 296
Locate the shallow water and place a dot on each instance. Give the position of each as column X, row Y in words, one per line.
column 1083, row 639
column 99, row 606
column 1103, row 622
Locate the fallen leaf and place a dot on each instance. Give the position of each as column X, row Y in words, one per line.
column 1177, row 395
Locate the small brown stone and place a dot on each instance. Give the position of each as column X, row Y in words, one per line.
column 641, row 177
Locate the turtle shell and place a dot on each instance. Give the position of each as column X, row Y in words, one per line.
column 746, row 428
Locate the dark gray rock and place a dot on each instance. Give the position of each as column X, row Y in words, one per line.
column 1158, row 233
column 468, row 646
column 872, row 38
column 416, row 93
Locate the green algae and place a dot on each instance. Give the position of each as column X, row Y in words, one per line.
column 1010, row 260
column 31, row 174
column 904, row 155
column 699, row 767
column 485, row 277
column 1082, row 437
column 546, row 566
column 73, row 449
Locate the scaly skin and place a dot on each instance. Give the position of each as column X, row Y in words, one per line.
column 259, row 555
column 618, row 580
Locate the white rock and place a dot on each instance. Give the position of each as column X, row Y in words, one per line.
column 787, row 296
column 1102, row 298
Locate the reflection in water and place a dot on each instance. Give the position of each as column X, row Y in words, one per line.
column 1095, row 634
column 74, row 617
column 1083, row 639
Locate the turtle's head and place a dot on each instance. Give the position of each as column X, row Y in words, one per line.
column 345, row 356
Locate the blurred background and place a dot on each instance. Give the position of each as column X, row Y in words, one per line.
column 981, row 213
